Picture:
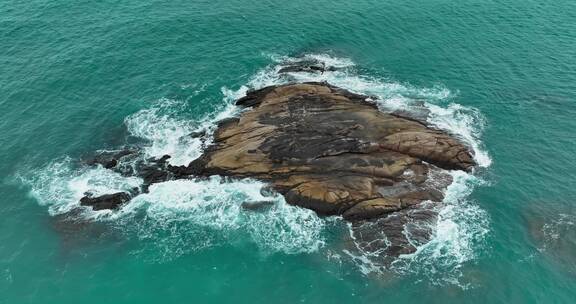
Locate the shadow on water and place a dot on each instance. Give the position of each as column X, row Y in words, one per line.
column 81, row 237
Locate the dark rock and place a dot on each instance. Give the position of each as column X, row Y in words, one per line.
column 109, row 159
column 252, row 98
column 180, row 171
column 197, row 134
column 257, row 206
column 106, row 201
column 306, row 67
column 267, row 191
column 152, row 175
column 394, row 234
column 196, row 167
column 153, row 171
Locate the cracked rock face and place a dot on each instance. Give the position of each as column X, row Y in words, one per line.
column 333, row 151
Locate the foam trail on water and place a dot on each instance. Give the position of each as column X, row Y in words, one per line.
column 216, row 205
column 199, row 211
column 461, row 227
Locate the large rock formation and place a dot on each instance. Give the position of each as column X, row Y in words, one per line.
column 326, row 149
column 332, row 151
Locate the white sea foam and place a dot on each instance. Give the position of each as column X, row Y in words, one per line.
column 464, row 122
column 199, row 211
column 60, row 187
column 216, row 204
column 194, row 214
column 165, row 132
column 457, row 234
column 168, row 133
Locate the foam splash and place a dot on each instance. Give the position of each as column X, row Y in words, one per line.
column 214, row 206
column 186, row 215
column 166, row 132
column 60, row 187
column 459, row 231
column 465, row 123
column 457, row 235
column 199, row 211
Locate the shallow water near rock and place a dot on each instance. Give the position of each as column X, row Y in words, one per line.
column 100, row 76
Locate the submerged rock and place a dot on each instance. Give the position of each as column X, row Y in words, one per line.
column 308, row 66
column 76, row 233
column 257, row 206
column 398, row 233
column 551, row 227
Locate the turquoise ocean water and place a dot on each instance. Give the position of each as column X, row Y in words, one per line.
column 78, row 76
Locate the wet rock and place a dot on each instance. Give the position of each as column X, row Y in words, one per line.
column 154, row 171
column 106, row 201
column 333, row 151
column 257, row 206
column 197, row 134
column 267, row 191
column 307, row 67
column 109, row 159
column 394, row 234
column 180, row 171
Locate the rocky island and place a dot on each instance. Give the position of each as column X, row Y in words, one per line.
column 326, row 149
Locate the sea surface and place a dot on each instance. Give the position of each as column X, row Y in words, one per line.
column 82, row 76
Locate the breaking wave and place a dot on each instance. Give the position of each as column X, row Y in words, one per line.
column 460, row 229
column 214, row 211
column 186, row 215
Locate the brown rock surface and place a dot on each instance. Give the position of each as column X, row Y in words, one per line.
column 332, row 151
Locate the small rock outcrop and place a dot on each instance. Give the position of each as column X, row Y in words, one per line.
column 307, row 66
column 106, row 201
column 109, row 159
